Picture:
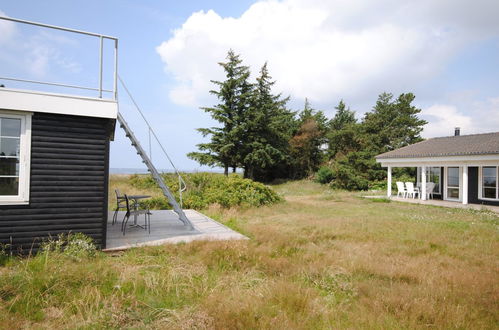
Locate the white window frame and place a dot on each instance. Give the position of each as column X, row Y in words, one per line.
column 460, row 184
column 24, row 158
column 480, row 183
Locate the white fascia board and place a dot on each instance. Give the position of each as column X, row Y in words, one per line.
column 472, row 160
column 22, row 100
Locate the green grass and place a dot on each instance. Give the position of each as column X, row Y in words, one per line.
column 321, row 259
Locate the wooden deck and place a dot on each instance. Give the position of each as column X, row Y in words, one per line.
column 166, row 228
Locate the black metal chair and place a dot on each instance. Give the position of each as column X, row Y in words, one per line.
column 134, row 211
column 120, row 205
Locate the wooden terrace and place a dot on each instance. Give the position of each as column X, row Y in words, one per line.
column 166, row 228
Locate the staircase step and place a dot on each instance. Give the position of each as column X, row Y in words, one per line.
column 154, row 172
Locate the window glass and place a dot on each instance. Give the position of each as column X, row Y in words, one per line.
column 453, row 177
column 453, row 193
column 433, row 175
column 9, row 146
column 489, row 182
column 9, row 186
column 9, row 166
column 10, row 138
column 10, row 127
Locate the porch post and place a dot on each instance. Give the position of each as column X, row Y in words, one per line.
column 465, row 184
column 422, row 193
column 389, row 182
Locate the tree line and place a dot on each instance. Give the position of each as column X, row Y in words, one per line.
column 258, row 133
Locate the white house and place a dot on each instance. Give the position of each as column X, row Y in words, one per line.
column 464, row 168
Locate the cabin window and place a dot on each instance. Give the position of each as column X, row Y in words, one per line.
column 489, row 182
column 15, row 140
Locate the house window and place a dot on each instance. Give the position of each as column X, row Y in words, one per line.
column 489, row 182
column 453, row 182
column 15, row 140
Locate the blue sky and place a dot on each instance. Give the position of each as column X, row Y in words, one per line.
column 446, row 52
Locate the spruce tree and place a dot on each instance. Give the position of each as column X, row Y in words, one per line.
column 234, row 95
column 268, row 127
column 343, row 129
column 392, row 124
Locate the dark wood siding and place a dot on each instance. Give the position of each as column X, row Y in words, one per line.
column 68, row 188
column 473, row 178
column 473, row 185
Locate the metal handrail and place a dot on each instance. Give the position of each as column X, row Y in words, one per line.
column 182, row 186
column 101, row 36
column 56, row 84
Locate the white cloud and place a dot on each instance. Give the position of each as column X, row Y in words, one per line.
column 7, row 29
column 45, row 53
column 480, row 117
column 442, row 119
column 36, row 54
column 326, row 50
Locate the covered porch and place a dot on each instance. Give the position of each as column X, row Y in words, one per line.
column 442, row 203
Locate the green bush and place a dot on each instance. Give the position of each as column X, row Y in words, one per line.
column 347, row 178
column 324, row 175
column 204, row 189
column 75, row 246
column 4, row 255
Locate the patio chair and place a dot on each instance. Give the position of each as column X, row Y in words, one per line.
column 410, row 190
column 120, row 205
column 134, row 211
column 401, row 189
column 429, row 189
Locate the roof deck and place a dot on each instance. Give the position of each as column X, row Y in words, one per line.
column 58, row 70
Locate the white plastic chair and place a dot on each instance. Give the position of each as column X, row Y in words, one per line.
column 410, row 190
column 401, row 189
column 429, row 189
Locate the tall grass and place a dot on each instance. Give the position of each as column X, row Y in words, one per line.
column 321, row 259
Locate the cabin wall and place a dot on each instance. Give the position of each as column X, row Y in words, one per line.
column 473, row 188
column 68, row 183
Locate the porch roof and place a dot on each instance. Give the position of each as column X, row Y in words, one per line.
column 463, row 145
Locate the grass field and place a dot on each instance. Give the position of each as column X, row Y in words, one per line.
column 321, row 259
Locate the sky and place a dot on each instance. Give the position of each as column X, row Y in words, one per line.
column 446, row 52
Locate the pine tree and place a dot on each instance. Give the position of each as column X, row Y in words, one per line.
column 269, row 125
column 306, row 144
column 392, row 124
column 342, row 117
column 343, row 129
column 234, row 95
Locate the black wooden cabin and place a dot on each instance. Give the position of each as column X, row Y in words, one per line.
column 54, row 167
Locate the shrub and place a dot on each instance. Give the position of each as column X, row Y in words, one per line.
column 4, row 255
column 76, row 246
column 349, row 179
column 204, row 189
column 324, row 175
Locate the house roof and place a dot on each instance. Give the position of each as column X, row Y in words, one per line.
column 476, row 144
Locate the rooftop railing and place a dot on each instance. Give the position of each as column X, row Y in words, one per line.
column 101, row 38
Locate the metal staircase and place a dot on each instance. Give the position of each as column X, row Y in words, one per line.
column 150, row 166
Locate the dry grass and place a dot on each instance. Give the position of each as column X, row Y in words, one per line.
column 322, row 259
